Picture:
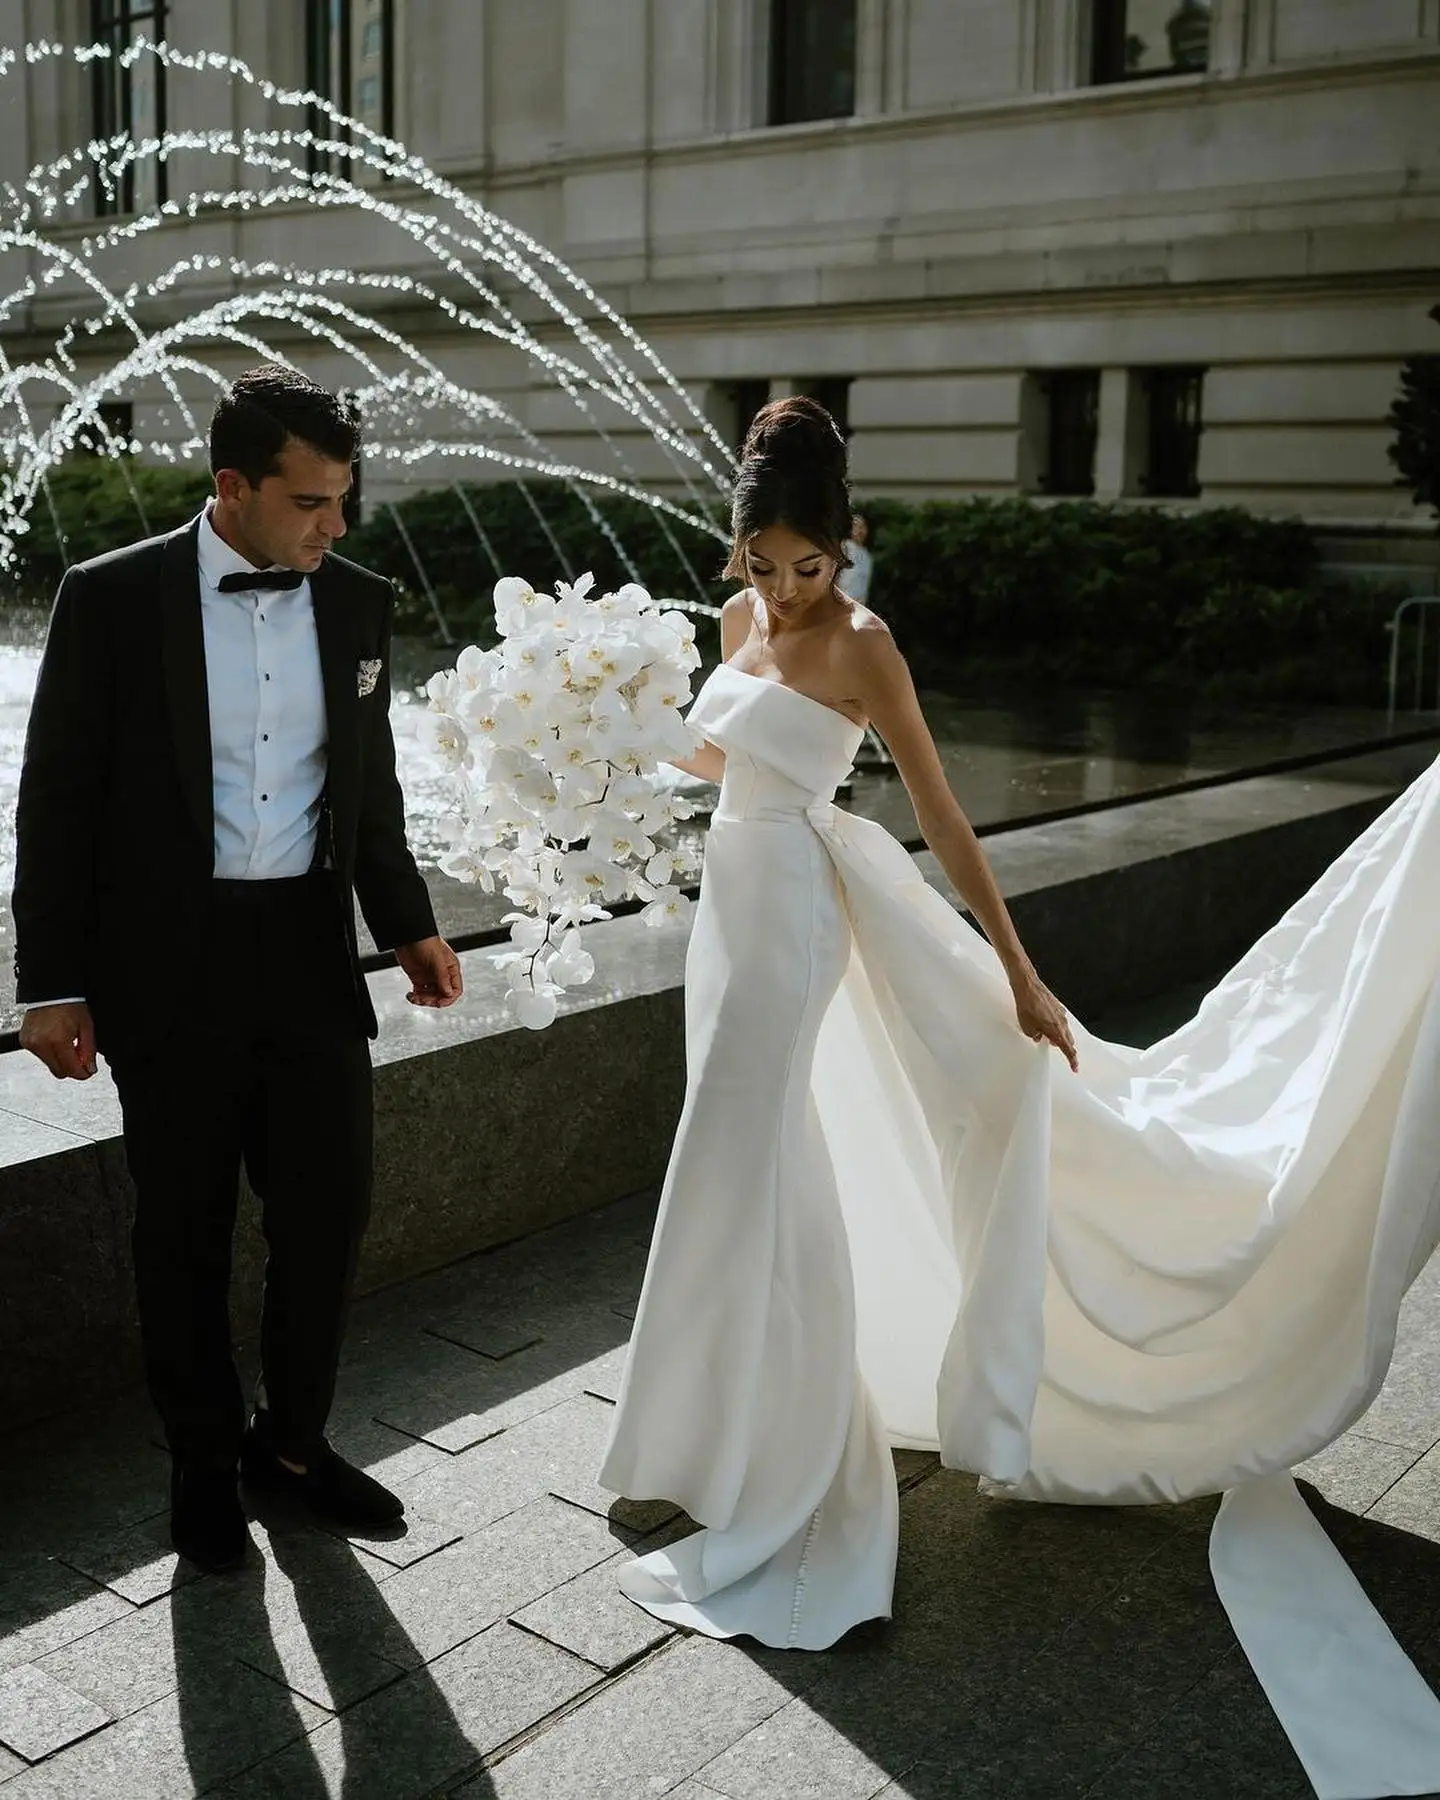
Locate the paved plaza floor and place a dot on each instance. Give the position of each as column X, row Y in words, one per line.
column 1040, row 1652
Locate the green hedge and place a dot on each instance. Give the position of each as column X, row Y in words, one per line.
column 980, row 593
column 98, row 512
column 462, row 576
column 1116, row 597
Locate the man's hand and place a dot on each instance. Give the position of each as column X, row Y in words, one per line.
column 63, row 1037
column 434, row 971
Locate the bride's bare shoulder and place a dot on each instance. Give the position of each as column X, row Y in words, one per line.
column 866, row 638
column 739, row 606
column 871, row 663
column 865, row 624
column 737, row 621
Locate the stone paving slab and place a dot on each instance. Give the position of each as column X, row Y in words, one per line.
column 498, row 1344
column 39, row 1714
column 302, row 1612
column 591, row 1618
column 83, row 1477
column 495, row 1395
column 137, row 1562
column 410, row 1741
column 645, row 1733
column 1037, row 1653
column 453, row 1596
column 1205, row 1744
column 586, row 1425
column 1358, row 1471
column 1412, row 1502
column 796, row 1752
column 499, row 1475
column 186, row 1744
column 420, row 1536
column 44, row 1604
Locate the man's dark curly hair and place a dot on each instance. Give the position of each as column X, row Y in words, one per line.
column 269, row 406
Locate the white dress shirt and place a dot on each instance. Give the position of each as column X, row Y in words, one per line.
column 267, row 719
column 268, row 734
column 855, row 581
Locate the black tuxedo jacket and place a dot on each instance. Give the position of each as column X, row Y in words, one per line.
column 115, row 825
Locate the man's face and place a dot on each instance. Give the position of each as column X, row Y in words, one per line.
column 293, row 516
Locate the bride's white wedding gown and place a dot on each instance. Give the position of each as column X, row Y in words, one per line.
column 890, row 1219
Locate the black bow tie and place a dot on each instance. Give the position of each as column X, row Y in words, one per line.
column 256, row 581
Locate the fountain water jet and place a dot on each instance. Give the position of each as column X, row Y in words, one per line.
column 430, row 416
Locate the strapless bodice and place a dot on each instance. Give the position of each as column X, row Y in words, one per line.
column 784, row 752
column 752, row 791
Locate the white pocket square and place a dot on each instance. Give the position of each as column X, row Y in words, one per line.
column 367, row 673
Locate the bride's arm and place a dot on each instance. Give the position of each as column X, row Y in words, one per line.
column 736, row 619
column 882, row 682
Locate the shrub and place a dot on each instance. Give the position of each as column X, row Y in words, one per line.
column 1416, row 419
column 462, row 576
column 1112, row 597
column 98, row 511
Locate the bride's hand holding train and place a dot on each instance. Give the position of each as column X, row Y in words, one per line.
column 1042, row 1017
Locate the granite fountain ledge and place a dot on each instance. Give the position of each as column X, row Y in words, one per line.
column 486, row 1132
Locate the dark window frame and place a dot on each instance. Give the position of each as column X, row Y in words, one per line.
column 1174, row 426
column 1072, row 432
column 747, row 395
column 112, row 107
column 115, row 416
column 337, row 83
column 833, row 393
column 804, row 87
column 1110, row 45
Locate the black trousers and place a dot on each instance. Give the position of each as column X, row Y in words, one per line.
column 267, row 1066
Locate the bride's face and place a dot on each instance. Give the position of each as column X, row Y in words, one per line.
column 789, row 573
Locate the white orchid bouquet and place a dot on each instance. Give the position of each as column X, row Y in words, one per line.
column 556, row 737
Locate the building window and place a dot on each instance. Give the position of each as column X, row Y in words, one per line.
column 1072, row 424
column 833, row 393
column 1172, row 434
column 1136, row 40
column 735, row 406
column 812, row 60
column 128, row 101
column 109, row 433
column 350, row 61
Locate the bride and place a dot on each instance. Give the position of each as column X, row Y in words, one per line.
column 892, row 1218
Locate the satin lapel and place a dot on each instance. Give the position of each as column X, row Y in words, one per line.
column 186, row 688
column 336, row 637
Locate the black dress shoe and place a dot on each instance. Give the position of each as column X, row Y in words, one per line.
column 207, row 1521
column 333, row 1489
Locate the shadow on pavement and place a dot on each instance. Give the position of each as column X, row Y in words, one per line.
column 1070, row 1653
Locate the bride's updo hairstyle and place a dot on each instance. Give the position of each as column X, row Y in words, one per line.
column 792, row 473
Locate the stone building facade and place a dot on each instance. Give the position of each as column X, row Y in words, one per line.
column 1149, row 249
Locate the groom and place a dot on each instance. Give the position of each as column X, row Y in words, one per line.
column 209, row 773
